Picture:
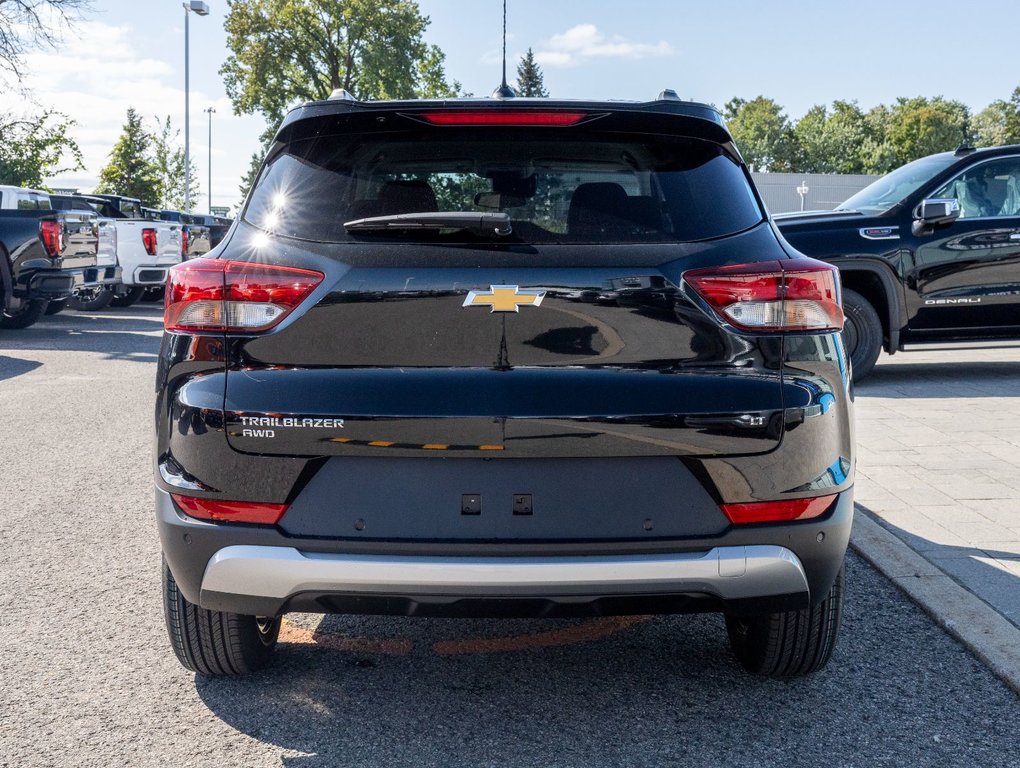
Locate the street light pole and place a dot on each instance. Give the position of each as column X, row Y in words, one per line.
column 202, row 9
column 210, row 111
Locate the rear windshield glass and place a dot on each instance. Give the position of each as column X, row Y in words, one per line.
column 555, row 186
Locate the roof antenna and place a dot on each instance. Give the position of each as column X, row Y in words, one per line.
column 504, row 91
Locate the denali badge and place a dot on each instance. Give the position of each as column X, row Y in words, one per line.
column 504, row 298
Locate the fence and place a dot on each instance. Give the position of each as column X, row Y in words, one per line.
column 784, row 192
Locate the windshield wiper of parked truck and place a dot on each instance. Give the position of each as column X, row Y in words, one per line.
column 482, row 224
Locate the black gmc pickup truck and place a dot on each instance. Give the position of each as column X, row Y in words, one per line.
column 44, row 254
column 929, row 253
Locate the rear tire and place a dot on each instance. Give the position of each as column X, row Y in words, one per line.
column 26, row 315
column 790, row 644
column 127, row 299
column 91, row 299
column 214, row 642
column 55, row 307
column 862, row 333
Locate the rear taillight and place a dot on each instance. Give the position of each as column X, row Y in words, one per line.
column 52, row 235
column 184, row 243
column 230, row 511
column 149, row 240
column 219, row 295
column 792, row 295
column 777, row 511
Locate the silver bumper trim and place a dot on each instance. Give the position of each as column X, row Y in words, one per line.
column 729, row 573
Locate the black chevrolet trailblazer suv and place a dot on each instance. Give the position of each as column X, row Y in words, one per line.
column 928, row 254
column 515, row 357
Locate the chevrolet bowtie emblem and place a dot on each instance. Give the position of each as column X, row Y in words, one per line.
column 504, row 298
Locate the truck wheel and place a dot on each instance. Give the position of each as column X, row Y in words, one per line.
column 91, row 299
column 55, row 307
column 789, row 644
column 26, row 315
column 862, row 333
column 154, row 293
column 214, row 642
column 132, row 295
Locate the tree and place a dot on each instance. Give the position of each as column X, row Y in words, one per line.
column 998, row 123
column 35, row 148
column 249, row 179
column 131, row 171
column 762, row 133
column 921, row 126
column 285, row 51
column 29, row 24
column 530, row 81
column 832, row 142
column 168, row 164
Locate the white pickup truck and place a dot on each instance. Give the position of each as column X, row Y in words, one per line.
column 142, row 250
column 145, row 249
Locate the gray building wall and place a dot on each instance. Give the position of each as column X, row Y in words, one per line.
column 825, row 191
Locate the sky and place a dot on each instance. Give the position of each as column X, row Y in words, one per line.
column 798, row 52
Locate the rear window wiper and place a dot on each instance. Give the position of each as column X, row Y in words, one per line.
column 483, row 224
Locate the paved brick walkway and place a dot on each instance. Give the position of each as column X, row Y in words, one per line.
column 938, row 436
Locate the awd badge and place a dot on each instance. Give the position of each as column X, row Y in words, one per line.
column 504, row 298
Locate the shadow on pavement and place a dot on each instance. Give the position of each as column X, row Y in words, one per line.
column 969, row 566
column 10, row 367
column 927, row 379
column 662, row 691
column 131, row 333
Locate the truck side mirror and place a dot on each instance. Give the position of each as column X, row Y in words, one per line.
column 934, row 212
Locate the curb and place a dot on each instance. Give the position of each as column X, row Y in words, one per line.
column 987, row 634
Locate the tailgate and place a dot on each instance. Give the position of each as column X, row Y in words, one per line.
column 80, row 239
column 612, row 362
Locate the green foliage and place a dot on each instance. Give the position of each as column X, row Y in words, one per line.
column 168, row 163
column 131, row 171
column 763, row 133
column 35, row 148
column 530, row 81
column 832, row 142
column 998, row 123
column 252, row 175
column 920, row 126
column 287, row 51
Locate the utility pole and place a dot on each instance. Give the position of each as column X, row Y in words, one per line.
column 202, row 9
column 210, row 111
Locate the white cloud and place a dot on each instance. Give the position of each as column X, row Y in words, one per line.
column 100, row 71
column 585, row 41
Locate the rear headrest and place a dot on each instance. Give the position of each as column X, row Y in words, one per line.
column 407, row 197
column 595, row 208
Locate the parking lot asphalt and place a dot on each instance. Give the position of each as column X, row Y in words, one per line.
column 89, row 679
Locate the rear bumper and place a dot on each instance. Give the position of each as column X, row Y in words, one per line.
column 729, row 573
column 105, row 275
column 52, row 285
column 148, row 275
column 260, row 570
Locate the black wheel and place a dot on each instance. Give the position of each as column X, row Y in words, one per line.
column 155, row 293
column 128, row 298
column 54, row 307
column 24, row 316
column 214, row 642
column 789, row 644
column 862, row 333
column 91, row 299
